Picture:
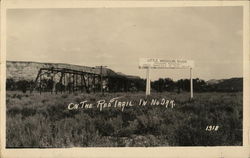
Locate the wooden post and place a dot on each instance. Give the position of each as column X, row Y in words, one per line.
column 69, row 82
column 52, row 80
column 101, row 83
column 35, row 83
column 88, row 81
column 148, row 82
column 81, row 83
column 64, row 82
column 60, row 82
column 76, row 82
column 85, row 84
column 73, row 83
column 191, row 84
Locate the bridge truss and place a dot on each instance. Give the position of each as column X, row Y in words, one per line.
column 61, row 80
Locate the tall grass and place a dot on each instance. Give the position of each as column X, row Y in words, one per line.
column 35, row 120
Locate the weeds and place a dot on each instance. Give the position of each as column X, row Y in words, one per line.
column 35, row 120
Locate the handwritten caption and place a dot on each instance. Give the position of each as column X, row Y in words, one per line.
column 116, row 103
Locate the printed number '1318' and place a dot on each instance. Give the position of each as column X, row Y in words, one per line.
column 212, row 128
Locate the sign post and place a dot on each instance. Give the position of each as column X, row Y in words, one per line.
column 148, row 82
column 191, row 84
column 155, row 63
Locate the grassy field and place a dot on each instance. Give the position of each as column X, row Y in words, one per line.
column 35, row 120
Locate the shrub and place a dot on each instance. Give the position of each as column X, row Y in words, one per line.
column 44, row 121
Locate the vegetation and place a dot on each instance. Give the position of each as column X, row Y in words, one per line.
column 199, row 85
column 117, row 84
column 35, row 120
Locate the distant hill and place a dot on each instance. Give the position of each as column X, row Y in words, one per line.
column 128, row 76
column 22, row 70
column 232, row 84
column 213, row 81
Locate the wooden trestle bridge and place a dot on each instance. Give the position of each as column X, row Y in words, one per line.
column 60, row 80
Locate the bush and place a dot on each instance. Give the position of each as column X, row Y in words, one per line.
column 35, row 120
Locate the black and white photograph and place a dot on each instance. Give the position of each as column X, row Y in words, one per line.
column 118, row 77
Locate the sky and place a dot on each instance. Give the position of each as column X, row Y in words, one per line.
column 118, row 37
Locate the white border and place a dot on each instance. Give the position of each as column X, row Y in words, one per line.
column 187, row 152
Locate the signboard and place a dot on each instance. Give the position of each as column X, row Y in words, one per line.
column 154, row 63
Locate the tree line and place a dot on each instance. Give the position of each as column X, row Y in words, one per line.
column 199, row 85
column 135, row 85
